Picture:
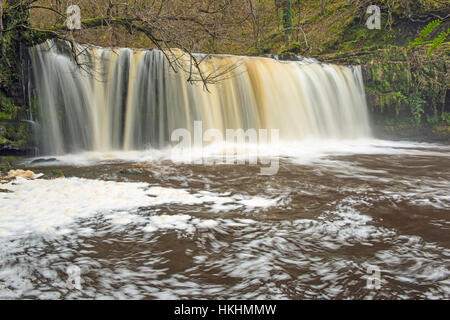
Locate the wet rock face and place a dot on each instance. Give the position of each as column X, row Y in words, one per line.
column 288, row 56
column 10, row 149
column 44, row 160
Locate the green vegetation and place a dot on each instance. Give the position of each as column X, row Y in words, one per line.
column 287, row 18
column 406, row 91
column 425, row 33
column 16, row 135
column 57, row 173
column 6, row 164
column 15, row 37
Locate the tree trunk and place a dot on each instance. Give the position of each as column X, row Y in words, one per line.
column 299, row 18
column 1, row 19
column 287, row 19
column 323, row 6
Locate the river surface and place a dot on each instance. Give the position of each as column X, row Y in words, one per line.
column 141, row 225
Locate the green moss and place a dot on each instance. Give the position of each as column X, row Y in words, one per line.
column 7, row 164
column 57, row 173
column 8, row 110
column 15, row 37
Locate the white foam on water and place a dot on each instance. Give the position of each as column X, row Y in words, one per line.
column 258, row 202
column 51, row 205
column 43, row 205
column 179, row 222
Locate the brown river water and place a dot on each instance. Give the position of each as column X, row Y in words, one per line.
column 141, row 226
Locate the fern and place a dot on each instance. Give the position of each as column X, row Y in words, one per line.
column 445, row 116
column 430, row 28
column 416, row 106
column 438, row 41
column 421, row 39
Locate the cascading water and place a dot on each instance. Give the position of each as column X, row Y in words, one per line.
column 123, row 99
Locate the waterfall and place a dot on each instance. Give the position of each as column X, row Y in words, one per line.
column 124, row 99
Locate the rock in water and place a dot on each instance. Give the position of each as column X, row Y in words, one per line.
column 12, row 174
column 44, row 160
